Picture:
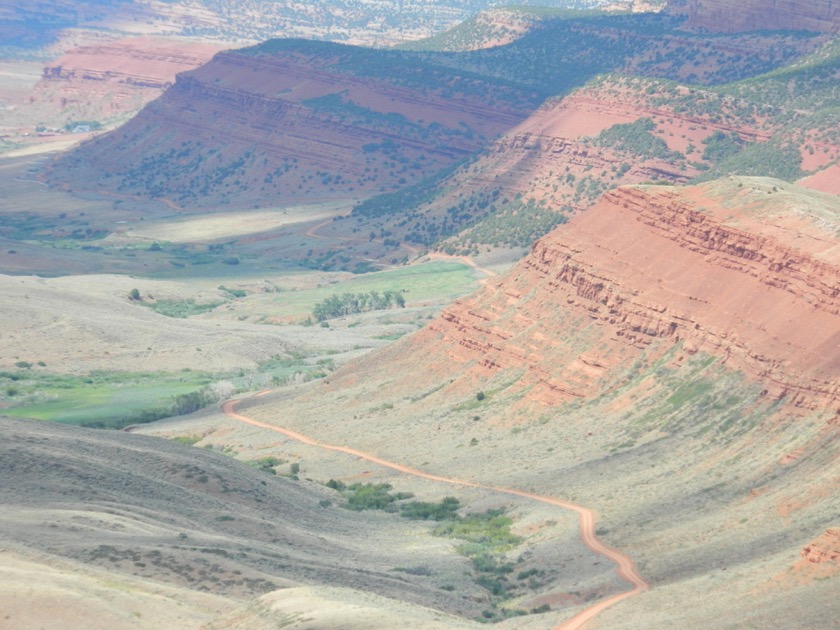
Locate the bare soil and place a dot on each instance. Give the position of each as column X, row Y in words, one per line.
column 138, row 511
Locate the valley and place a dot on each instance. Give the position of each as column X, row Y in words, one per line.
column 533, row 321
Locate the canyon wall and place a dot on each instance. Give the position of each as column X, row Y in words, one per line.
column 730, row 16
column 99, row 82
column 298, row 120
column 744, row 269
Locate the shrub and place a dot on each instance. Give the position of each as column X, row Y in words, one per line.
column 425, row 511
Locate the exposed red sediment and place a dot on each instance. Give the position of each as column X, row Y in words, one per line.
column 825, row 549
column 310, row 118
column 124, row 74
column 655, row 266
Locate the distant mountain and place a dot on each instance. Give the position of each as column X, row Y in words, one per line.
column 729, row 16
column 27, row 26
column 105, row 59
column 295, row 120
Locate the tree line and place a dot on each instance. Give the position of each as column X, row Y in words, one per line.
column 351, row 303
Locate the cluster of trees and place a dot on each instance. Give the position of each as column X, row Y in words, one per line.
column 636, row 138
column 350, row 303
column 515, row 223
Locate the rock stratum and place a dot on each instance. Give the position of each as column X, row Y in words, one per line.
column 103, row 81
column 629, row 129
column 670, row 357
column 290, row 120
column 745, row 270
column 294, row 120
column 727, row 16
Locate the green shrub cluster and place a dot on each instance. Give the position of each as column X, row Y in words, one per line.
column 513, row 224
column 766, row 159
column 721, row 146
column 369, row 496
column 487, row 535
column 181, row 309
column 636, row 139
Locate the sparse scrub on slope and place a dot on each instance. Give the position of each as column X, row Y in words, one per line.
column 486, row 536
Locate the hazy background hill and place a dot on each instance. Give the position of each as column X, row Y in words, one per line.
column 68, row 68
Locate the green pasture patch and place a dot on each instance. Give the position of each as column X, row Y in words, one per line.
column 295, row 368
column 427, row 282
column 106, row 399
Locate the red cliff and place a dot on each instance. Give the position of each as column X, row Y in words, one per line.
column 745, row 270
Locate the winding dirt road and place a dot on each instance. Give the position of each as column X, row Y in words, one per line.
column 625, row 567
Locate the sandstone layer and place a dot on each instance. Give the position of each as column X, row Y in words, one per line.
column 825, row 549
column 572, row 149
column 102, row 83
column 746, row 270
column 296, row 120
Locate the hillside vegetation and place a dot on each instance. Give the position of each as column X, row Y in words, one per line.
column 781, row 124
column 308, row 122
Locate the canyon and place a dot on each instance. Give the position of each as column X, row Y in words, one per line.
column 413, row 133
column 608, row 395
column 671, row 355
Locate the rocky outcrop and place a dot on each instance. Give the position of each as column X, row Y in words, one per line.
column 745, row 270
column 99, row 82
column 730, row 16
column 825, row 549
column 129, row 62
column 296, row 120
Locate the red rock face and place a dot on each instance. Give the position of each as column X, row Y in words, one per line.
column 724, row 268
column 825, row 549
column 101, row 81
column 728, row 16
column 292, row 125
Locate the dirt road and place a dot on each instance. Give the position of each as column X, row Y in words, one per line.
column 625, row 566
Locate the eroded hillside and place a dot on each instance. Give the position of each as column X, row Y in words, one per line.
column 307, row 122
column 127, row 531
column 622, row 130
column 301, row 121
column 669, row 358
